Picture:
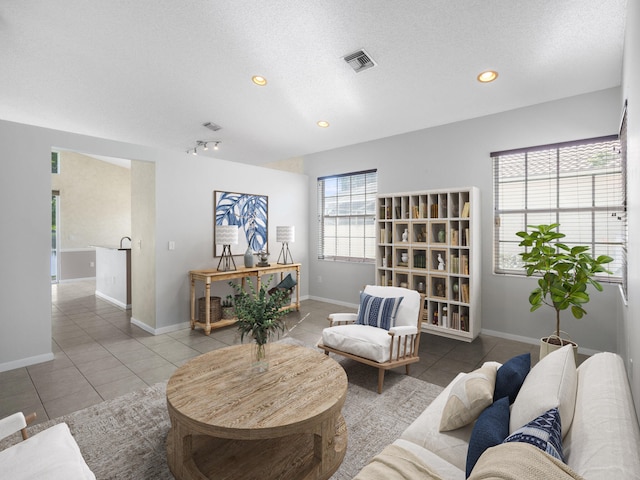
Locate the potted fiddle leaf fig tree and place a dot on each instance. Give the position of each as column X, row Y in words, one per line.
column 565, row 273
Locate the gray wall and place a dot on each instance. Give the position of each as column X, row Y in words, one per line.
column 457, row 155
column 184, row 214
column 629, row 338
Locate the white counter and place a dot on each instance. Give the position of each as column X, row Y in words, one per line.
column 113, row 275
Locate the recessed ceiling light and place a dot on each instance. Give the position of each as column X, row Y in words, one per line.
column 258, row 80
column 487, row 76
column 323, row 124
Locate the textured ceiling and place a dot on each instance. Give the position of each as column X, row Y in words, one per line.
column 152, row 72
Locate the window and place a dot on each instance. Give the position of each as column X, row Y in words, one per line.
column 55, row 162
column 580, row 185
column 346, row 216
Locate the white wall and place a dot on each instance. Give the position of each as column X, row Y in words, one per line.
column 184, row 206
column 185, row 216
column 457, row 155
column 630, row 334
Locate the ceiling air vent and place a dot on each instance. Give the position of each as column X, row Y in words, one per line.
column 359, row 61
column 212, row 126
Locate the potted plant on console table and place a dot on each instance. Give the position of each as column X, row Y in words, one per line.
column 260, row 315
column 565, row 273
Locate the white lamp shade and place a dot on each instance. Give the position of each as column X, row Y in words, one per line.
column 285, row 234
column 227, row 234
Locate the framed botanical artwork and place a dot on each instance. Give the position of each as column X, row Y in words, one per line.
column 249, row 212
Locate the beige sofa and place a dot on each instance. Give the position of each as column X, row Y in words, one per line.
column 602, row 441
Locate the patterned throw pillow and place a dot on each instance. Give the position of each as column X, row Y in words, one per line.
column 545, row 432
column 511, row 376
column 378, row 312
column 490, row 430
column 468, row 398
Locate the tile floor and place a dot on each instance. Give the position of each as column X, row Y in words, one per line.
column 100, row 355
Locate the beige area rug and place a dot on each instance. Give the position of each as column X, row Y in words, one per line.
column 124, row 438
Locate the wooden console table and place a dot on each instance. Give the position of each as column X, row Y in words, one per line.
column 209, row 276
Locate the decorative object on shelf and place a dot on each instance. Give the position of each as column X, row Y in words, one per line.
column 440, row 262
column 248, row 258
column 441, row 236
column 420, row 287
column 405, row 235
column 226, row 235
column 384, row 262
column 286, row 235
column 228, row 310
column 260, row 316
column 263, row 256
column 248, row 212
column 565, row 273
column 404, row 257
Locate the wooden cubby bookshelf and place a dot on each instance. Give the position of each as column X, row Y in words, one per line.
column 441, row 247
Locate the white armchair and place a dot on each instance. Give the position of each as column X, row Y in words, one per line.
column 50, row 454
column 378, row 347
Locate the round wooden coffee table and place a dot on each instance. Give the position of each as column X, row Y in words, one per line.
column 230, row 423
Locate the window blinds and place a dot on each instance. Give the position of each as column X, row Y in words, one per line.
column 580, row 185
column 346, row 216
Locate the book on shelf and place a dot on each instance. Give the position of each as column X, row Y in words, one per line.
column 434, row 210
column 454, row 264
column 466, row 237
column 464, row 264
column 398, row 213
column 416, row 212
column 465, row 210
column 464, row 291
column 423, row 210
column 454, row 237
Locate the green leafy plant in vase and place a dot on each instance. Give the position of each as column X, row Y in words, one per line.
column 565, row 273
column 260, row 316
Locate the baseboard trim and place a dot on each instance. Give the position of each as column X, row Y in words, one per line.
column 26, row 362
column 532, row 341
column 109, row 299
column 160, row 331
column 335, row 302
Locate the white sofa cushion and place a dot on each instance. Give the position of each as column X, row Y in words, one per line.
column 424, row 432
column 435, row 463
column 551, row 383
column 604, row 437
column 362, row 340
column 468, row 398
column 52, row 454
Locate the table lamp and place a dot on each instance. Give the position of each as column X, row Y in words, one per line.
column 226, row 235
column 285, row 235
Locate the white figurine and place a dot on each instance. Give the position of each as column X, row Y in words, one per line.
column 440, row 262
column 405, row 235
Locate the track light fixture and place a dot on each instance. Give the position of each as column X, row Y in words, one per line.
column 204, row 145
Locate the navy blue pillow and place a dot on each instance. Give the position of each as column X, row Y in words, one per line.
column 377, row 311
column 491, row 428
column 510, row 377
column 544, row 432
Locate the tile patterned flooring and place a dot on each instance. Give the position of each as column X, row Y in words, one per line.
column 100, row 355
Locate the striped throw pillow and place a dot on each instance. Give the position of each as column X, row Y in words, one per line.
column 378, row 312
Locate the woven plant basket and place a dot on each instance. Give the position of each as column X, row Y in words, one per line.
column 215, row 309
column 546, row 347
